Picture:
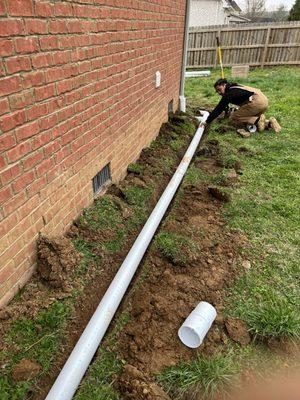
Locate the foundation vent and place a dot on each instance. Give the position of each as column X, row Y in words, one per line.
column 101, row 179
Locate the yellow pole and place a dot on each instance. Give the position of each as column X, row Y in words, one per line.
column 220, row 58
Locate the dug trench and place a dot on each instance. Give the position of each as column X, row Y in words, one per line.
column 194, row 257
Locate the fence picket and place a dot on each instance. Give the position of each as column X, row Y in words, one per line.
column 253, row 44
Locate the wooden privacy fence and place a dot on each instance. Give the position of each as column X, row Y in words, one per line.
column 256, row 45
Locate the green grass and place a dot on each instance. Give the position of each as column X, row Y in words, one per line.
column 135, row 168
column 100, row 378
column 202, row 378
column 265, row 205
column 36, row 340
column 178, row 249
column 104, row 214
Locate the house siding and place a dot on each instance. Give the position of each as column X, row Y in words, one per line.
column 207, row 12
column 77, row 91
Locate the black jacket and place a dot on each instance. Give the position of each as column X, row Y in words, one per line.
column 234, row 94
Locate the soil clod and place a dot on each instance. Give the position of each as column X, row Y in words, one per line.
column 25, row 370
column 237, row 330
column 57, row 257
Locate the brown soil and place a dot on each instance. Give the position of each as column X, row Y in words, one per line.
column 237, row 330
column 25, row 369
column 57, row 258
column 149, row 343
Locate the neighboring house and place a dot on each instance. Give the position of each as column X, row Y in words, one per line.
column 215, row 12
column 77, row 94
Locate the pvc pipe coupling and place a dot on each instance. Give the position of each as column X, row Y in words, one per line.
column 194, row 329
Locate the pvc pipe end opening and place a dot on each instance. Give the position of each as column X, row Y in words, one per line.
column 189, row 337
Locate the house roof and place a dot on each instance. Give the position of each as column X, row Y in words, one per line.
column 234, row 5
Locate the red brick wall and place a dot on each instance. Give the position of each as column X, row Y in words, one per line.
column 76, row 92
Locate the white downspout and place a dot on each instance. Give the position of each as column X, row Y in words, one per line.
column 182, row 99
column 70, row 376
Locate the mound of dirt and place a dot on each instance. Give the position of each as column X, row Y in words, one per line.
column 57, row 257
column 134, row 384
column 238, row 331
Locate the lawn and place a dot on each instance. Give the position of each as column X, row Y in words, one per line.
column 265, row 205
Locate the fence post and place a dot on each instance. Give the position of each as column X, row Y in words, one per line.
column 264, row 55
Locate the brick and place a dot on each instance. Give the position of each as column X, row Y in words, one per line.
column 48, row 122
column 57, row 26
column 10, row 174
column 2, row 7
column 36, row 26
column 21, row 100
column 63, row 9
column 51, row 148
column 32, row 160
column 33, row 79
column 10, row 121
column 41, row 60
column 2, row 71
column 20, row 7
column 27, row 131
column 6, row 47
column 14, row 203
column 36, row 111
column 23, row 181
column 4, row 106
column 36, row 186
column 48, row 43
column 5, row 194
column 18, row 151
column 10, row 85
column 45, row 166
column 11, row 27
column 2, row 164
column 44, row 9
column 26, row 45
column 17, row 64
column 41, row 140
column 64, row 86
column 7, row 141
column 44, row 92
column 5, row 273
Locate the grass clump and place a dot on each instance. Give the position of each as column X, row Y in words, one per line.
column 89, row 257
column 103, row 214
column 178, row 249
column 203, row 377
column 177, row 144
column 135, row 168
column 194, row 175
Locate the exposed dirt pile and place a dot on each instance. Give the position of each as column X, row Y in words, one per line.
column 133, row 384
column 57, row 258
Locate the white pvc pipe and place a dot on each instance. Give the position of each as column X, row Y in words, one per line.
column 194, row 74
column 82, row 354
column 194, row 329
column 182, row 99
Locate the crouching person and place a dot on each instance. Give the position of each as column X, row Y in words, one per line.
column 252, row 103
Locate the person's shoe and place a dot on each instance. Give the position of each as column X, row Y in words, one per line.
column 275, row 125
column 261, row 123
column 252, row 128
column 267, row 124
column 243, row 133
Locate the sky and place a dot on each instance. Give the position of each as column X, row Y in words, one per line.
column 271, row 4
